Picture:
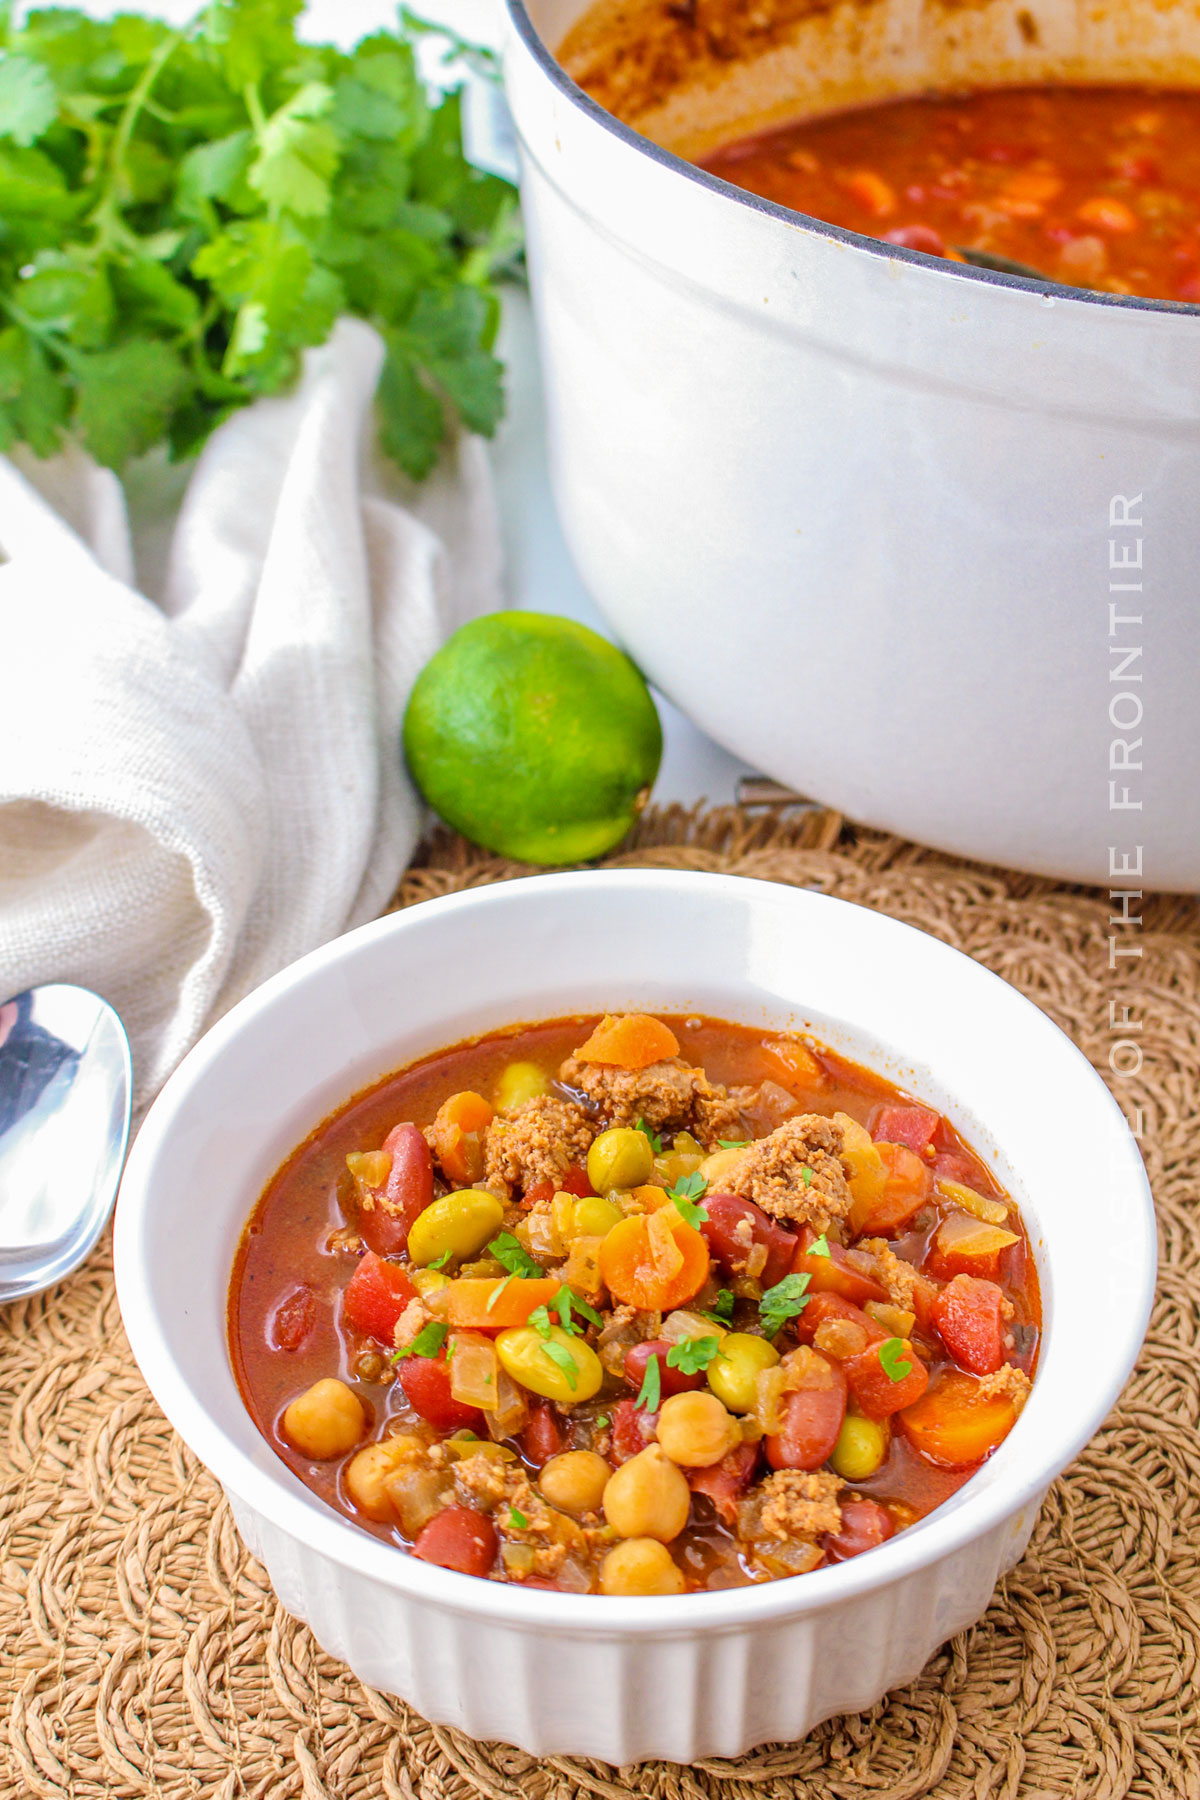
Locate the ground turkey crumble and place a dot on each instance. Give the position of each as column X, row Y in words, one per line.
column 503, row 1489
column 665, row 1095
column 1013, row 1383
column 796, row 1504
column 796, row 1173
column 899, row 1277
column 538, row 1142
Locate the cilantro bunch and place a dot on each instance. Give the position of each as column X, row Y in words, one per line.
column 183, row 212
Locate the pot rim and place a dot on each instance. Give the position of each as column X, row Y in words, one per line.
column 570, row 90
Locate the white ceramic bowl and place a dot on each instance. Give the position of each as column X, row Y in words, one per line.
column 703, row 1674
column 802, row 470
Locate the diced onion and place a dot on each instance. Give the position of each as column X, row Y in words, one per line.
column 992, row 1212
column 511, row 1410
column 473, row 1370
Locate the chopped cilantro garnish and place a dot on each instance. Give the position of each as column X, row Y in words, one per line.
column 497, row 1291
column 807, row 1173
column 721, row 1310
column 541, row 1321
column 893, row 1361
column 567, row 1301
column 517, row 1520
column 439, row 1262
column 650, row 1392
column 603, row 1422
column 427, row 1342
column 732, row 1143
column 782, row 1302
column 693, row 1354
column 655, row 1140
column 512, row 1255
column 685, row 1193
column 820, row 1247
column 561, row 1356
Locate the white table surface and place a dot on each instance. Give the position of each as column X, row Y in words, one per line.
column 539, row 572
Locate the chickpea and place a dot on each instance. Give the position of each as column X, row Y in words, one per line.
column 695, row 1430
column 325, row 1421
column 732, row 1375
column 518, row 1083
column 458, row 1225
column 647, row 1497
column 575, row 1481
column 860, row 1450
column 369, row 1471
column 622, row 1158
column 640, row 1566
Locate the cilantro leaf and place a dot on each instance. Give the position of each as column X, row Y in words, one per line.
column 807, row 1175
column 124, row 397
column 783, row 1302
column 732, row 1143
column 655, row 1140
column 567, row 1301
column 517, row 1520
column 685, row 1193
column 819, row 1247
column 28, row 99
column 427, row 1342
column 497, row 1291
column 560, row 1355
column 893, row 1361
column 693, row 1354
column 721, row 1310
column 512, row 1255
column 440, row 1262
column 298, row 154
column 540, row 1319
column 650, row 1393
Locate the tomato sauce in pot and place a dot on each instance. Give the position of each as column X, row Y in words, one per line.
column 1095, row 187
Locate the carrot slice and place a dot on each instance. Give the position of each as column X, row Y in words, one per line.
column 955, row 1423
column 457, row 1134
column 629, row 1041
column 654, row 1261
column 483, row 1304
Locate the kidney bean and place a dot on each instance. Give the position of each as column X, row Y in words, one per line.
column 864, row 1525
column 541, row 1439
column 812, row 1419
column 725, row 1213
column 725, row 1482
column 458, row 1538
column 408, row 1190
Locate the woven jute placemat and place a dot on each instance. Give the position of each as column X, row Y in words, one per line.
column 141, row 1649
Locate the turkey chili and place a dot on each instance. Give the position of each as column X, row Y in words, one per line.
column 634, row 1306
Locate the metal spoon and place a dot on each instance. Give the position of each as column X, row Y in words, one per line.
column 66, row 1085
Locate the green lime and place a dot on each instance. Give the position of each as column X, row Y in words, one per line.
column 533, row 737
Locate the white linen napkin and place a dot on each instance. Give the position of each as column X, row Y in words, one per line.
column 200, row 776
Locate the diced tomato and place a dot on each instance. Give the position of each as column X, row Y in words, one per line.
column 912, row 1125
column 907, row 1186
column 725, row 1482
column 865, row 1524
column 812, row 1419
column 835, row 1273
column 954, row 1166
column 458, row 1538
column 541, row 1438
column 293, row 1319
column 878, row 1393
column 575, row 1181
column 671, row 1381
column 383, row 1226
column 632, row 1429
column 725, row 1213
column 376, row 1295
column 823, row 1307
column 969, row 1316
column 426, row 1383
